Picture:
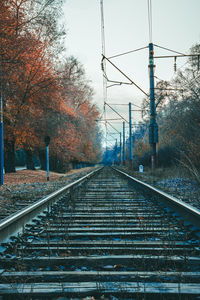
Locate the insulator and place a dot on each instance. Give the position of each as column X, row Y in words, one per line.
column 102, row 66
column 175, row 64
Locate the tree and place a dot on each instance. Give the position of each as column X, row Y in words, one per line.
column 178, row 115
column 42, row 95
column 25, row 48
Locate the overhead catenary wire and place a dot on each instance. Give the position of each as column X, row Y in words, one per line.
column 105, row 58
column 110, row 144
column 103, row 49
column 149, row 4
column 114, row 82
column 102, row 28
column 103, row 65
column 113, row 127
column 117, row 112
column 111, row 134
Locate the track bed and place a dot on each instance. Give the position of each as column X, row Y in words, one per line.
column 107, row 240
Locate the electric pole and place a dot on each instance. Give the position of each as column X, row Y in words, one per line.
column 116, row 159
column 120, row 143
column 130, row 135
column 153, row 127
column 124, row 145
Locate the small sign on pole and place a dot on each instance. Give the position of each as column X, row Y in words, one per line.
column 141, row 169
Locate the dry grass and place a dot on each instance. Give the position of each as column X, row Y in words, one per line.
column 158, row 174
column 168, row 180
column 29, row 176
column 29, row 186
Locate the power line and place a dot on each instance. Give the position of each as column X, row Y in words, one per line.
column 104, row 57
column 150, row 19
column 102, row 28
column 103, row 53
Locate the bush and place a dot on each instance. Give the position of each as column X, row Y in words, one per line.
column 167, row 156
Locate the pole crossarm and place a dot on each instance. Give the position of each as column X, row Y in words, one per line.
column 117, row 82
column 104, row 57
column 178, row 55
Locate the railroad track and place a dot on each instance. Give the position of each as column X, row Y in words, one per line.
column 105, row 240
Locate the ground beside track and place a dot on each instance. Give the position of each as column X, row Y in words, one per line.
column 174, row 182
column 27, row 184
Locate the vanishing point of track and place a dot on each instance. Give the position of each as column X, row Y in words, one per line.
column 109, row 238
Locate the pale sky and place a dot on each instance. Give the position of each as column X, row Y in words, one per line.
column 176, row 25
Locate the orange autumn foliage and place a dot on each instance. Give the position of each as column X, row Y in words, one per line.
column 41, row 98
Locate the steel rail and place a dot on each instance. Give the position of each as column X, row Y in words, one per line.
column 15, row 223
column 187, row 211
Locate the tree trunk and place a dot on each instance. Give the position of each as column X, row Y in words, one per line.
column 29, row 160
column 9, row 156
